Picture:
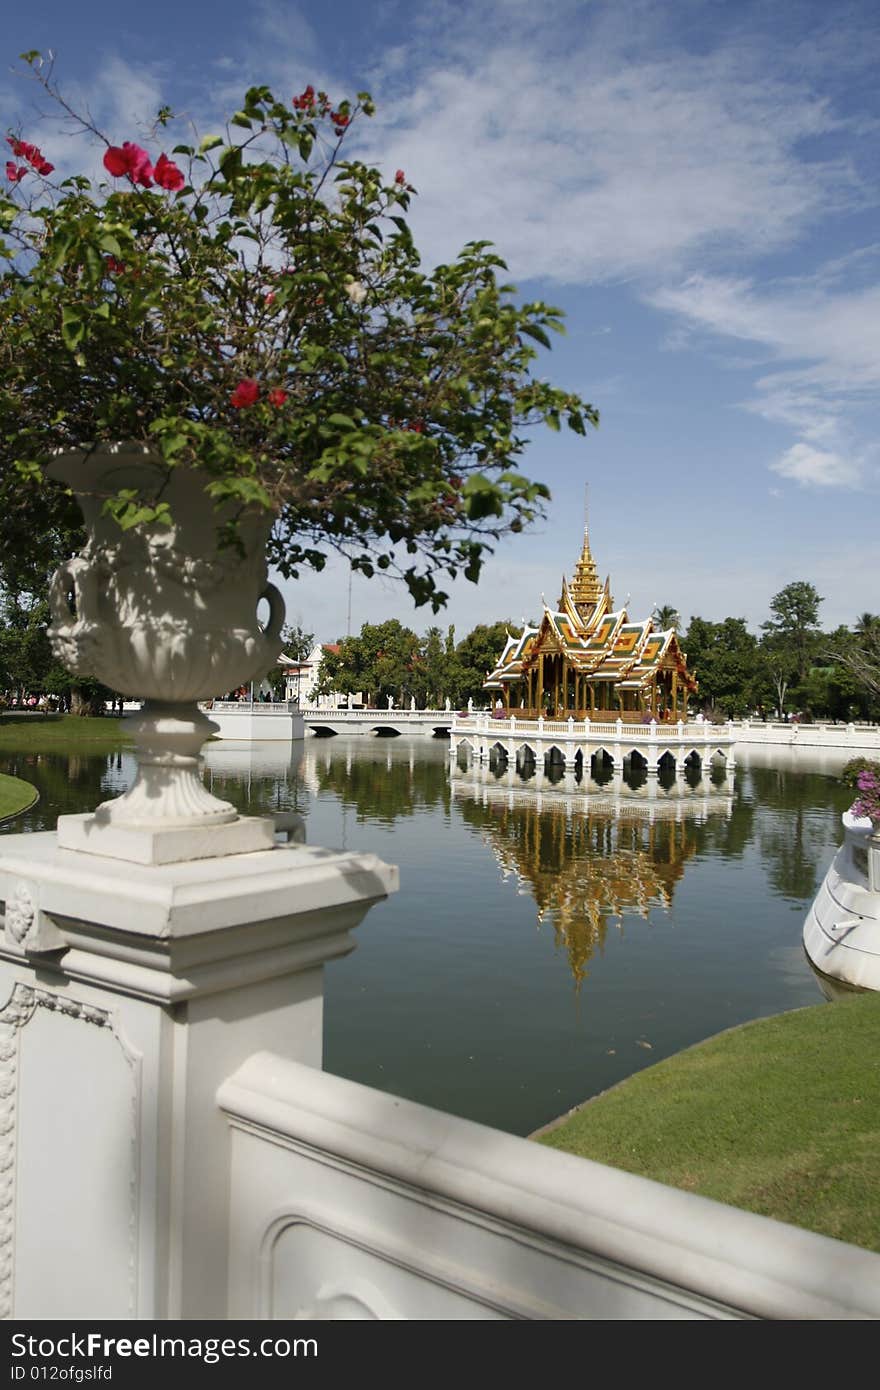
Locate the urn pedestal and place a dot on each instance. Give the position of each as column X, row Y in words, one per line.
column 168, row 613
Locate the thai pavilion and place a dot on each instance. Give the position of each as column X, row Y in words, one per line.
column 589, row 661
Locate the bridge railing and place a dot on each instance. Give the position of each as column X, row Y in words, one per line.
column 378, row 716
column 258, row 707
column 586, row 731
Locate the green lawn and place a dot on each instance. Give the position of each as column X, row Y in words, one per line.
column 15, row 796
column 43, row 733
column 781, row 1117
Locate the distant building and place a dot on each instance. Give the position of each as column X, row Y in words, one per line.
column 301, row 678
column 588, row 661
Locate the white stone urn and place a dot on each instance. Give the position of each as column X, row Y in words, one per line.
column 167, row 614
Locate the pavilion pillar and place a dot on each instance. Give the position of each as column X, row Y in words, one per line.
column 540, row 701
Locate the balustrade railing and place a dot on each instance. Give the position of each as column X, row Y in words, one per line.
column 695, row 732
column 258, row 707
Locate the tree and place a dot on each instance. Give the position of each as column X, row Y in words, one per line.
column 858, row 654
column 792, row 634
column 476, row 656
column 28, row 665
column 435, row 673
column 259, row 310
column 665, row 617
column 380, row 661
column 297, row 642
column 867, row 626
column 724, row 658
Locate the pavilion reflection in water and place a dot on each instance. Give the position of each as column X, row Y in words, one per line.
column 594, row 859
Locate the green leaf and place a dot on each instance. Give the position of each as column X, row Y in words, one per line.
column 533, row 331
column 242, row 120
column 72, row 328
column 231, row 163
column 210, row 142
column 343, row 421
column 110, row 245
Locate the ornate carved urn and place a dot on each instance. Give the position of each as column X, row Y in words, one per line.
column 167, row 614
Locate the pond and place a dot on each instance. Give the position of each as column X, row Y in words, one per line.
column 544, row 945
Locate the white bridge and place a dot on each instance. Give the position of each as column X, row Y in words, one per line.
column 378, row 721
column 572, row 741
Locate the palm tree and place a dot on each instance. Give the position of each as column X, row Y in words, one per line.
column 665, row 616
column 867, row 625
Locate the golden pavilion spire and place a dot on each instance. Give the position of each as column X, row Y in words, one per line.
column 585, row 588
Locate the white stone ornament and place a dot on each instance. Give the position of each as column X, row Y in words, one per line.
column 20, row 914
column 26, row 927
column 165, row 613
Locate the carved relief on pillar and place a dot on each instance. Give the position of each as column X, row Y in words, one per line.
column 18, row 1011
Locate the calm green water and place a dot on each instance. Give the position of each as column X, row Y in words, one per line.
column 542, row 946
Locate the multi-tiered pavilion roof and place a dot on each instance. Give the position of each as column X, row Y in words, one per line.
column 590, row 660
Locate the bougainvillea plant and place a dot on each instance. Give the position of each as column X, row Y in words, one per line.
column 253, row 302
column 867, row 803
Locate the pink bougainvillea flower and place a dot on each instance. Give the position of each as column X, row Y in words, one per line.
column 277, row 396
column 306, row 100
column 400, row 177
column 15, row 172
column 115, row 161
column 131, row 160
column 269, row 298
column 167, row 174
column 247, row 392
column 22, row 149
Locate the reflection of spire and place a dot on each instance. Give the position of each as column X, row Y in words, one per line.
column 586, row 871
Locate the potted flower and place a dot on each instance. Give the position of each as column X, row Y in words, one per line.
column 864, row 775
column 227, row 342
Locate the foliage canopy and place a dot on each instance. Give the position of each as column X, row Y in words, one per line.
column 253, row 301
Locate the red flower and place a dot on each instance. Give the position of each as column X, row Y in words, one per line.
column 114, row 267
column 167, row 174
column 269, row 298
column 306, row 100
column 417, row 426
column 15, row 172
column 339, row 121
column 34, row 156
column 277, row 396
column 400, row 177
column 247, row 392
column 131, row 160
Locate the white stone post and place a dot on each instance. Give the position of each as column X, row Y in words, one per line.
column 128, row 993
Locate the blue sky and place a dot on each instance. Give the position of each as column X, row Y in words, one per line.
column 695, row 183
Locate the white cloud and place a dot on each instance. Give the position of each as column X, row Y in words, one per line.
column 587, row 163
column 826, row 340
column 816, row 467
